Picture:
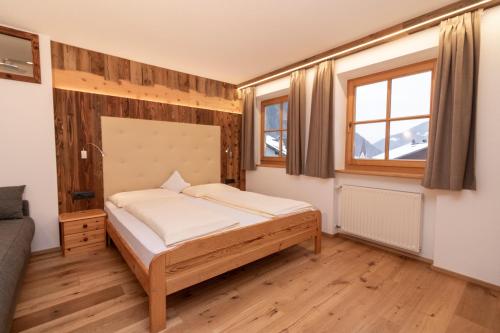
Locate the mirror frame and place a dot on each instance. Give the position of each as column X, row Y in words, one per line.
column 36, row 78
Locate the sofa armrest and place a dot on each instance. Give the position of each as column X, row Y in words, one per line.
column 26, row 208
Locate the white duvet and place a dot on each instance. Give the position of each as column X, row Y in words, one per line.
column 175, row 219
column 261, row 204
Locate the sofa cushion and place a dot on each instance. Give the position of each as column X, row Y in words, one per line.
column 15, row 247
column 11, row 202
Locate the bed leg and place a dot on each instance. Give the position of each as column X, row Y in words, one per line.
column 157, row 296
column 317, row 238
column 317, row 244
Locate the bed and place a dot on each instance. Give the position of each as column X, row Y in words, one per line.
column 133, row 150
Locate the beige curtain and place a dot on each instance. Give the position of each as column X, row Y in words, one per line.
column 450, row 162
column 319, row 161
column 296, row 125
column 247, row 129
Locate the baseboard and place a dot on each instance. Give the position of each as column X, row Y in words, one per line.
column 466, row 278
column 385, row 247
column 325, row 234
column 46, row 251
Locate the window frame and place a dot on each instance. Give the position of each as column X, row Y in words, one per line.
column 385, row 165
column 279, row 161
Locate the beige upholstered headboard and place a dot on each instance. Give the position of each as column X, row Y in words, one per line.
column 141, row 154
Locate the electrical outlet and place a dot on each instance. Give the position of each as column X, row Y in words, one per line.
column 82, row 195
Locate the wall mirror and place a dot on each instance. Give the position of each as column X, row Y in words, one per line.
column 19, row 55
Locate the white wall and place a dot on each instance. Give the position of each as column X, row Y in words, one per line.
column 275, row 181
column 415, row 48
column 320, row 192
column 461, row 230
column 468, row 228
column 27, row 147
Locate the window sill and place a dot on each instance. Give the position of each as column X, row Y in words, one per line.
column 271, row 165
column 382, row 173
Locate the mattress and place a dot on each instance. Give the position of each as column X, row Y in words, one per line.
column 146, row 243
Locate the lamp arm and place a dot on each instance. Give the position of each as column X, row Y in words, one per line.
column 97, row 147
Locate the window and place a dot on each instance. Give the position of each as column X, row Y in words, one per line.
column 388, row 120
column 274, row 115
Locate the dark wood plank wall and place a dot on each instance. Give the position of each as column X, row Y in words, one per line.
column 111, row 68
column 77, row 121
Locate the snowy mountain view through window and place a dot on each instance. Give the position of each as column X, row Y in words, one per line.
column 274, row 115
column 393, row 115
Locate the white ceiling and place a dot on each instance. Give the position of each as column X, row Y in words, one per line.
column 228, row 40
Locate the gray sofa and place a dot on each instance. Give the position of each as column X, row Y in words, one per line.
column 15, row 248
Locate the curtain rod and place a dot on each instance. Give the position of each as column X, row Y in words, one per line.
column 376, row 41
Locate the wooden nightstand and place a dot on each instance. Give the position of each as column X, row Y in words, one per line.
column 82, row 231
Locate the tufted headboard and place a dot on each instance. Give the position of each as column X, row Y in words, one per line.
column 141, row 154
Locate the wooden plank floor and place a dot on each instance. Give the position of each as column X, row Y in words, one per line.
column 349, row 287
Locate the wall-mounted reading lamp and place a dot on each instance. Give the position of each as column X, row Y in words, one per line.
column 229, row 152
column 229, row 172
column 83, row 153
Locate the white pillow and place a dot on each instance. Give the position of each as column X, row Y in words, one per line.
column 123, row 199
column 175, row 183
column 199, row 191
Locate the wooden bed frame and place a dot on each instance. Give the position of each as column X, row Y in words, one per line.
column 202, row 258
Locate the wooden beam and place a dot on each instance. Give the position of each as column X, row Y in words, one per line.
column 372, row 39
column 96, row 84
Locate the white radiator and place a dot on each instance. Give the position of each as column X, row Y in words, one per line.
column 390, row 217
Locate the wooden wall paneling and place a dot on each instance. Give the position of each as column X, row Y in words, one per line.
column 147, row 75
column 201, row 85
column 60, row 130
column 56, row 55
column 135, row 73
column 160, row 76
column 99, row 104
column 123, row 69
column 90, row 84
column 111, row 68
column 193, row 82
column 172, row 79
column 83, row 61
column 70, row 56
column 71, row 160
column 96, row 63
column 183, row 81
column 78, row 121
column 219, row 89
column 84, row 135
column 210, row 89
column 230, row 138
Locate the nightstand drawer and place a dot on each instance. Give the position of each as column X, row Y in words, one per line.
column 85, row 238
column 85, row 248
column 85, row 225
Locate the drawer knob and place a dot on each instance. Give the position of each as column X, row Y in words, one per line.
column 85, row 239
column 85, row 226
